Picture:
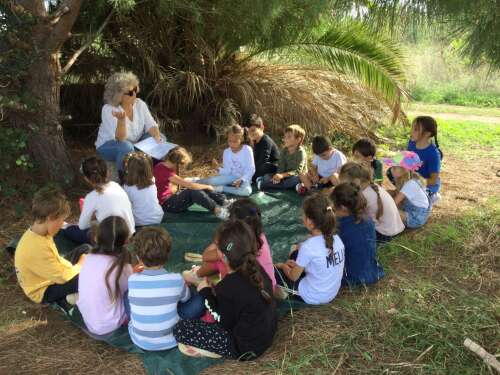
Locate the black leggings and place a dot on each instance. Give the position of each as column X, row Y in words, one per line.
column 58, row 292
column 184, row 199
column 211, row 337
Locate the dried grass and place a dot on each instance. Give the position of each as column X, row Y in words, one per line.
column 41, row 341
column 319, row 100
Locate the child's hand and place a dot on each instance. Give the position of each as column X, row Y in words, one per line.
column 203, row 284
column 277, row 178
column 215, row 163
column 291, row 263
column 237, row 183
column 208, row 187
column 118, row 115
column 314, row 178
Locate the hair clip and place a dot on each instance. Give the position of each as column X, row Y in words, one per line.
column 329, row 208
column 229, row 246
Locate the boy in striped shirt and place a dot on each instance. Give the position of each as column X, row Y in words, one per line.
column 154, row 294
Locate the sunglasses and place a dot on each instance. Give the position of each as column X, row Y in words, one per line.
column 135, row 90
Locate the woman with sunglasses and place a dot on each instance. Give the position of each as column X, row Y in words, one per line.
column 125, row 119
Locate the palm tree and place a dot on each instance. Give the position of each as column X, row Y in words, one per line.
column 210, row 63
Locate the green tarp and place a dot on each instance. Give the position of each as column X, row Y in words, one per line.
column 191, row 232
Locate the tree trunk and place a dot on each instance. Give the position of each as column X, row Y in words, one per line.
column 42, row 86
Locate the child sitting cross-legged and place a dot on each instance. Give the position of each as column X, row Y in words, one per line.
column 106, row 199
column 238, row 165
column 213, row 259
column 103, row 279
column 326, row 165
column 43, row 274
column 139, row 184
column 292, row 163
column 357, row 232
column 313, row 272
column 266, row 153
column 364, row 151
column 381, row 207
column 411, row 194
column 157, row 297
column 241, row 303
column 204, row 195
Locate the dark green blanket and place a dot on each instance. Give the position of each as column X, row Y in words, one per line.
column 191, row 232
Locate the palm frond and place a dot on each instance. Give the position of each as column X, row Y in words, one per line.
column 372, row 60
column 320, row 100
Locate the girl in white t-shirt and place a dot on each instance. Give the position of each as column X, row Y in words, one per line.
column 325, row 166
column 314, row 271
column 238, row 166
column 139, row 184
column 106, row 199
column 411, row 196
column 381, row 207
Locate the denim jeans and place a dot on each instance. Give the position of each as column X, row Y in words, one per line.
column 286, row 183
column 115, row 151
column 184, row 199
column 244, row 190
column 193, row 308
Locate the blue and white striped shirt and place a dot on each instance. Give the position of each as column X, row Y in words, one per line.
column 153, row 296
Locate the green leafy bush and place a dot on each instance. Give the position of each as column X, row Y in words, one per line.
column 14, row 158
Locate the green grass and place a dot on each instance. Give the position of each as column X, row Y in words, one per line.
column 452, row 94
column 415, row 321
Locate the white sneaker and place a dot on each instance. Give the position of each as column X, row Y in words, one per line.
column 436, row 197
column 191, row 277
column 228, row 203
column 258, row 182
column 72, row 299
column 222, row 213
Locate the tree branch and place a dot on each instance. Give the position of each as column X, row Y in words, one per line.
column 87, row 44
column 56, row 16
column 61, row 30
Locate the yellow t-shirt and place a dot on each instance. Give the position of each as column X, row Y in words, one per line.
column 39, row 265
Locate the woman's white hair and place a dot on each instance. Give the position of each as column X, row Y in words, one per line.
column 116, row 85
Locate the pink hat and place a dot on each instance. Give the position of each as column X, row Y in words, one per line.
column 408, row 160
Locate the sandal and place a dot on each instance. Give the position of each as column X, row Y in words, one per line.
column 193, row 257
column 191, row 351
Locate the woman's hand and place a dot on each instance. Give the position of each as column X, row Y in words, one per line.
column 215, row 163
column 237, row 183
column 119, row 115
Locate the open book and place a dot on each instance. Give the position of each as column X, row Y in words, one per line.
column 153, row 148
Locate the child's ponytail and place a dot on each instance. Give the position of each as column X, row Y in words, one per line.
column 237, row 241
column 251, row 271
column 112, row 236
column 429, row 124
column 380, row 206
column 95, row 170
column 359, row 175
column 318, row 208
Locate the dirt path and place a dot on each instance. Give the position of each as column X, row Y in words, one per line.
column 458, row 117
